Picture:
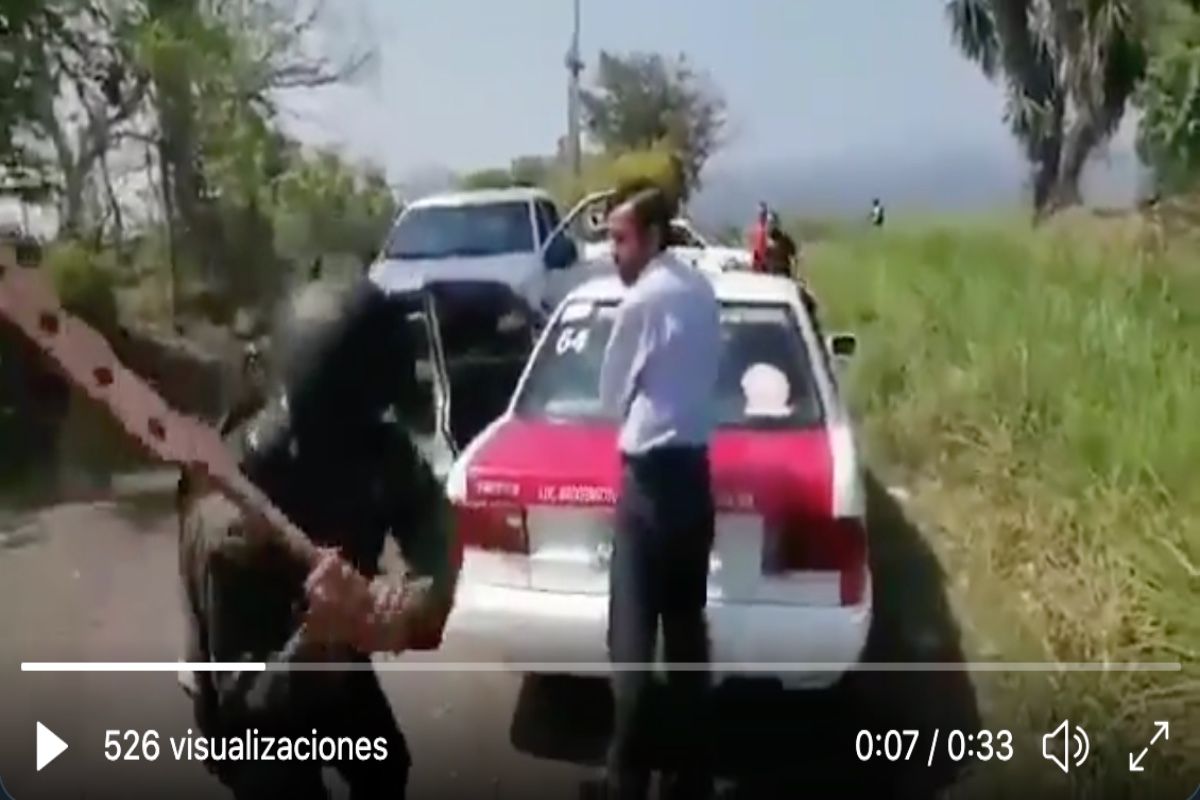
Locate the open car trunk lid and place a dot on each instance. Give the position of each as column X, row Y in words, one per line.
column 472, row 340
column 485, row 332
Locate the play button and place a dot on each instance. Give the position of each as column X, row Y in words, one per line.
column 49, row 746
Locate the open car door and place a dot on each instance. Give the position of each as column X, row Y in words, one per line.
column 471, row 342
column 430, row 419
column 578, row 224
column 586, row 216
column 483, row 335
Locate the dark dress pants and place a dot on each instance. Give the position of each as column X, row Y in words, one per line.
column 663, row 537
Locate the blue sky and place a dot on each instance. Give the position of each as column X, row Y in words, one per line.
column 470, row 83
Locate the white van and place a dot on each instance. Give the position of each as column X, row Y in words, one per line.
column 512, row 236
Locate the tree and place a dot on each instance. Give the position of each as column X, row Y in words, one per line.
column 88, row 89
column 531, row 170
column 326, row 206
column 492, row 178
column 1169, row 98
column 65, row 87
column 1070, row 67
column 659, row 165
column 216, row 68
column 643, row 100
column 22, row 24
column 522, row 171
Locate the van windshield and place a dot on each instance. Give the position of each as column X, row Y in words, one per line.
column 491, row 229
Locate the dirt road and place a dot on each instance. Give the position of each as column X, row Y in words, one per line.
column 99, row 582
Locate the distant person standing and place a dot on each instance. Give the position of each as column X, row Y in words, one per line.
column 659, row 375
column 877, row 213
column 759, row 239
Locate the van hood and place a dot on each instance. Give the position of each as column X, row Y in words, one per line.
column 521, row 271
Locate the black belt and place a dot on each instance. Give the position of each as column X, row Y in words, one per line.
column 666, row 456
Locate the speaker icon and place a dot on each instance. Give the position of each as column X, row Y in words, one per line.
column 1066, row 747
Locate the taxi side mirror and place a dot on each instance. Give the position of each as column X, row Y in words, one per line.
column 843, row 345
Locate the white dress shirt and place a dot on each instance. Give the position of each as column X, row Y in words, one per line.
column 660, row 366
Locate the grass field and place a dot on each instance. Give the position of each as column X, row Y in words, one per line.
column 1038, row 392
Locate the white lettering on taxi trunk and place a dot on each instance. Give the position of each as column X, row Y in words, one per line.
column 492, row 488
column 576, row 494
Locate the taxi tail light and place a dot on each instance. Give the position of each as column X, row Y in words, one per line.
column 496, row 528
column 820, row 545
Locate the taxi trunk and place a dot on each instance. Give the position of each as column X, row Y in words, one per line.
column 540, row 496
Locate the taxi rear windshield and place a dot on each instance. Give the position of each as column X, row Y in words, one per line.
column 765, row 378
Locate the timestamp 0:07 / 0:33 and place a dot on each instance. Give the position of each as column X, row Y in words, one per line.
column 904, row 745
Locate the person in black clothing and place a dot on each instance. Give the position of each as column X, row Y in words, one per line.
column 330, row 450
column 781, row 249
column 782, row 253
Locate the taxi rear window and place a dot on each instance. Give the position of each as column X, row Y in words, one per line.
column 765, row 380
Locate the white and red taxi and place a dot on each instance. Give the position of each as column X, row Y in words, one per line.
column 789, row 583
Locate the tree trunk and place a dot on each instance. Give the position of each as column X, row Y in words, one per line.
column 71, row 202
column 169, row 219
column 1045, row 174
column 115, row 206
column 1082, row 140
column 178, row 154
column 1035, row 81
column 1046, row 154
column 1066, row 192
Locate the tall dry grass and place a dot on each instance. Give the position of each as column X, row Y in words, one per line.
column 1039, row 393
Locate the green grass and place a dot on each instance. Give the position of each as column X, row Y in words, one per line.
column 1039, row 394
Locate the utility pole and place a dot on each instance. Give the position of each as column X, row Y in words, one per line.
column 574, row 68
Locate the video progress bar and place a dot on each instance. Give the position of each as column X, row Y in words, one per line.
column 599, row 668
column 143, row 666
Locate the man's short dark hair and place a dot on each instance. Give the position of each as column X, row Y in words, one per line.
column 650, row 207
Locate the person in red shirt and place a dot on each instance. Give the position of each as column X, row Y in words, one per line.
column 760, row 239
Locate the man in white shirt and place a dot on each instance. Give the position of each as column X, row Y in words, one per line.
column 659, row 377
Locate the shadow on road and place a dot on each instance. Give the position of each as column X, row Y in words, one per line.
column 772, row 742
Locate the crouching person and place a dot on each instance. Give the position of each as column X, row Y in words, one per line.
column 330, row 449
